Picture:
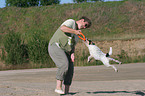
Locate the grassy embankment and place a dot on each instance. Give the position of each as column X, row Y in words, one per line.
column 25, row 32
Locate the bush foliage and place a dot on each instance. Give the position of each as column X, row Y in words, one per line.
column 15, row 48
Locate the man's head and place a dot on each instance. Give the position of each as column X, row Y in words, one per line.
column 83, row 22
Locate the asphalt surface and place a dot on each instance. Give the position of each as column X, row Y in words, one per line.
column 87, row 81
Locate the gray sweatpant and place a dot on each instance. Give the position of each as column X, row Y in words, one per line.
column 63, row 61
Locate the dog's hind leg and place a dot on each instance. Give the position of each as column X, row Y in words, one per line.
column 115, row 69
column 89, row 58
column 114, row 60
column 106, row 63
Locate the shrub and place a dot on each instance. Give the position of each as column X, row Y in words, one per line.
column 38, row 48
column 15, row 48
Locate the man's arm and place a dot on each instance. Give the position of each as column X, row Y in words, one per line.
column 70, row 30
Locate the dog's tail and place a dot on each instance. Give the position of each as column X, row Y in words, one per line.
column 110, row 52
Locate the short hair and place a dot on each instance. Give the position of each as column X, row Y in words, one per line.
column 86, row 19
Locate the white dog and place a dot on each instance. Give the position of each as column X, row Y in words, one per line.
column 99, row 55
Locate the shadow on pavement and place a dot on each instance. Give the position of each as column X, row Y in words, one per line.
column 72, row 93
column 141, row 93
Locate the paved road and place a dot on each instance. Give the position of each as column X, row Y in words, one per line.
column 87, row 81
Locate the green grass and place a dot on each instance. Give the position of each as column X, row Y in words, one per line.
column 119, row 20
column 109, row 18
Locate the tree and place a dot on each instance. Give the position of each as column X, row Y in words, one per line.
column 49, row 2
column 28, row 3
column 22, row 3
column 96, row 0
column 79, row 1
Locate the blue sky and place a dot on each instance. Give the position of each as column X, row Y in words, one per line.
column 2, row 2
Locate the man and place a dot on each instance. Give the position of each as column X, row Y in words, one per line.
column 61, row 50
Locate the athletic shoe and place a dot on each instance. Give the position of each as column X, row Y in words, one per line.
column 59, row 91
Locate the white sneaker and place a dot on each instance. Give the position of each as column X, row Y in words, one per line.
column 59, row 91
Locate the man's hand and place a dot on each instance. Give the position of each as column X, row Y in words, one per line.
column 70, row 30
column 77, row 32
column 72, row 57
